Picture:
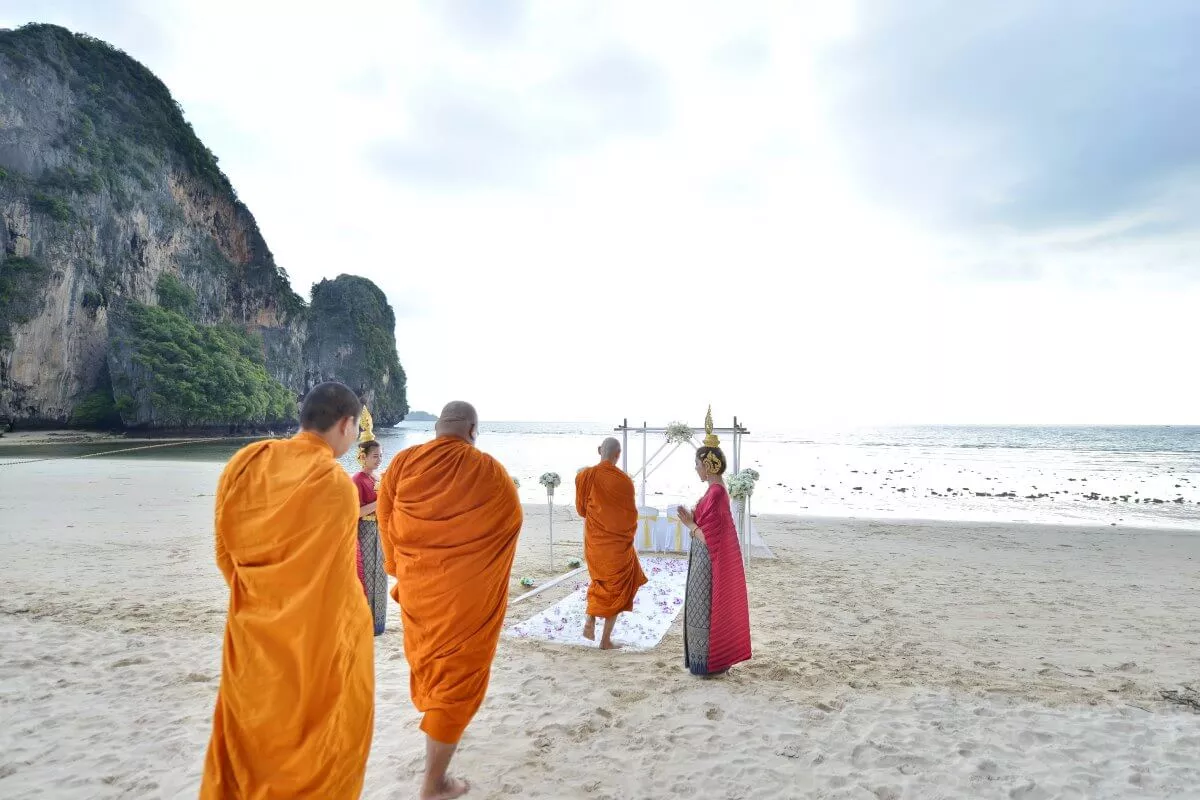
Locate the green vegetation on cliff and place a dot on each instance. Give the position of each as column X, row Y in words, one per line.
column 98, row 411
column 198, row 375
column 175, row 295
column 351, row 335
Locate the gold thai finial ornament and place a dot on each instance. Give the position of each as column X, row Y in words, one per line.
column 712, row 463
column 710, row 438
column 366, row 427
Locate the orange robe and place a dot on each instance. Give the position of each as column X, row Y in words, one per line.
column 296, row 706
column 604, row 498
column 449, row 516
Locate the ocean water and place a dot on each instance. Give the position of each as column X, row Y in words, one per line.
column 1124, row 476
column 1132, row 476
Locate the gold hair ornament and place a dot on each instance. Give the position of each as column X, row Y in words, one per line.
column 366, row 426
column 710, row 438
column 711, row 461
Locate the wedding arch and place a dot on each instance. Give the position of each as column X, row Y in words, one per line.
column 658, row 532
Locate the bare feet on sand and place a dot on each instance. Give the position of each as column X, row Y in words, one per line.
column 589, row 630
column 450, row 788
column 608, row 644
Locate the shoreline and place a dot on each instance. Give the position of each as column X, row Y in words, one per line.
column 41, row 438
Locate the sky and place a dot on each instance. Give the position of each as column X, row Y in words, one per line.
column 803, row 213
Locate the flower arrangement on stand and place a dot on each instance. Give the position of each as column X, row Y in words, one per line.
column 741, row 484
column 551, row 481
column 741, row 488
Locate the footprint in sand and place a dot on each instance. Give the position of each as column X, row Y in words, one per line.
column 128, row 662
column 1030, row 791
column 627, row 696
column 715, row 714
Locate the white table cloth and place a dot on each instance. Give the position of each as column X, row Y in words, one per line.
column 661, row 533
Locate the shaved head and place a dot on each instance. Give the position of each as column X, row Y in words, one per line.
column 330, row 410
column 458, row 419
column 610, row 450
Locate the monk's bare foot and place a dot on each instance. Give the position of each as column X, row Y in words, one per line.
column 589, row 630
column 609, row 645
column 450, row 788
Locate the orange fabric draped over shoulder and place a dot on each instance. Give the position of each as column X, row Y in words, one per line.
column 450, row 518
column 604, row 498
column 296, row 706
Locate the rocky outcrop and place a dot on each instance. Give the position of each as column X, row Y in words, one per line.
column 351, row 339
column 104, row 190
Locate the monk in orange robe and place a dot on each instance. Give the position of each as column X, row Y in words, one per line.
column 296, row 705
column 604, row 498
column 449, row 517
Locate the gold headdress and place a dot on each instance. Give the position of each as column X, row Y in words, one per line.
column 367, row 427
column 710, row 438
column 711, row 461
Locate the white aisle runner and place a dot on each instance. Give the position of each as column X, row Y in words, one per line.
column 654, row 609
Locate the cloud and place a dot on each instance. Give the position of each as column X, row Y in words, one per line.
column 749, row 53
column 1023, row 114
column 459, row 140
column 484, row 133
column 482, row 21
column 614, row 91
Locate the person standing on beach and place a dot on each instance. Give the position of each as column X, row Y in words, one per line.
column 450, row 517
column 370, row 552
column 604, row 497
column 716, row 613
column 296, row 706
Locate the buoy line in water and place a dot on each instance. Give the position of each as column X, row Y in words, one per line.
column 114, row 452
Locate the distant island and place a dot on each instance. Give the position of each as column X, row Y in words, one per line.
column 420, row 416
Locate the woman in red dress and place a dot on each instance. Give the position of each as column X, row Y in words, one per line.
column 370, row 554
column 716, row 632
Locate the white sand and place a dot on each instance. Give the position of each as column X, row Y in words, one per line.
column 919, row 660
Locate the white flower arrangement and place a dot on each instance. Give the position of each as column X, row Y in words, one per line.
column 679, row 432
column 753, row 473
column 551, row 481
column 741, row 485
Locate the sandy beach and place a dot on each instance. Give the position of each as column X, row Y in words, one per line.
column 893, row 659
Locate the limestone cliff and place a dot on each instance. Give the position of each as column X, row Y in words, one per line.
column 105, row 193
column 350, row 339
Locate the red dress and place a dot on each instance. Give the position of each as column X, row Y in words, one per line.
column 366, row 495
column 729, row 621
